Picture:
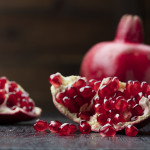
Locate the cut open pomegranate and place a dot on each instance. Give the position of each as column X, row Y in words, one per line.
column 103, row 102
column 15, row 103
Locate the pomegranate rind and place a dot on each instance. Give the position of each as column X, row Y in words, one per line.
column 95, row 126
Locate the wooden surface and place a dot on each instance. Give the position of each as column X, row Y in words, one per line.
column 23, row 136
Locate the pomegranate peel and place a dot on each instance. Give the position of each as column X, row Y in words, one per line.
column 117, row 88
column 16, row 104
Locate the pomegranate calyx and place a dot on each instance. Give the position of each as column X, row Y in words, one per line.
column 130, row 30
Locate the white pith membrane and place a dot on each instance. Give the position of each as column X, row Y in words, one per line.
column 5, row 110
column 95, row 126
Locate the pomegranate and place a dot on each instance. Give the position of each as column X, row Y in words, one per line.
column 111, row 107
column 126, row 57
column 40, row 125
column 15, row 103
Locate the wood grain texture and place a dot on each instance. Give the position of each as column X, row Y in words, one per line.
column 23, row 136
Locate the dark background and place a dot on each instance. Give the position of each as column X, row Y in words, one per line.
column 41, row 37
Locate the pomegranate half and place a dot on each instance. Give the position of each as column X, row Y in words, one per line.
column 101, row 102
column 15, row 103
column 126, row 57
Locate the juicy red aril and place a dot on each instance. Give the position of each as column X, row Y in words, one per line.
column 85, row 91
column 12, row 86
column 53, row 126
column 91, row 83
column 2, row 96
column 131, row 102
column 64, row 129
column 84, row 116
column 73, row 128
column 114, row 84
column 24, row 103
column 118, row 118
column 108, row 104
column 84, row 127
column 71, row 92
column 11, row 101
column 127, row 91
column 55, row 80
column 99, row 108
column 79, row 84
column 107, row 130
column 66, row 101
column 145, row 87
column 102, row 119
column 131, row 130
column 60, row 96
column 30, row 105
column 79, row 100
column 98, row 100
column 40, row 125
column 120, row 103
column 136, row 88
column 104, row 91
column 137, row 110
column 97, row 85
column 139, row 96
column 3, row 81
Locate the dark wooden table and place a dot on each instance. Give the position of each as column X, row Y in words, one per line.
column 23, row 136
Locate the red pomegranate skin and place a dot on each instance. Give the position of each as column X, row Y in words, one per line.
column 125, row 57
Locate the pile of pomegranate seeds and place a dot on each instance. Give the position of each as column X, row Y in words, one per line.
column 13, row 96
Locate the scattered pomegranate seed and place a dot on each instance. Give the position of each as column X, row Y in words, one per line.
column 137, row 110
column 131, row 130
column 64, row 129
column 55, row 79
column 107, row 130
column 60, row 96
column 79, row 84
column 3, row 81
column 85, row 91
column 73, row 128
column 40, row 125
column 2, row 96
column 84, row 127
column 121, row 104
column 102, row 119
column 53, row 126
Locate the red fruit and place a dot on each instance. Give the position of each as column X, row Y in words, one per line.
column 114, row 103
column 55, row 79
column 73, row 128
column 53, row 126
column 40, row 125
column 15, row 103
column 64, row 129
column 107, row 130
column 121, row 57
column 131, row 130
column 84, row 127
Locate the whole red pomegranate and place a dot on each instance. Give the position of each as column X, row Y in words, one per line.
column 125, row 57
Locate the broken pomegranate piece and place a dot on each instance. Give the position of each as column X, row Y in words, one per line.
column 114, row 102
column 15, row 103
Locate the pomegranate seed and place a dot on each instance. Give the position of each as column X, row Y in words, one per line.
column 71, row 92
column 91, row 83
column 78, row 100
column 111, row 113
column 53, row 126
column 19, row 95
column 24, row 104
column 3, row 81
column 97, row 85
column 84, row 115
column 73, row 128
column 137, row 110
column 12, row 86
column 84, row 127
column 121, row 104
column 11, row 101
column 2, row 96
column 79, row 84
column 99, row 108
column 66, row 101
column 59, row 97
column 30, row 105
column 118, row 118
column 98, row 100
column 64, row 129
column 145, row 87
column 118, row 93
column 131, row 130
column 127, row 91
column 107, row 130
column 139, row 96
column 40, row 125
column 55, row 80
column 131, row 102
column 110, row 120
column 136, row 88
column 104, row 91
column 102, row 119
column 85, row 91
column 108, row 104
column 114, row 84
